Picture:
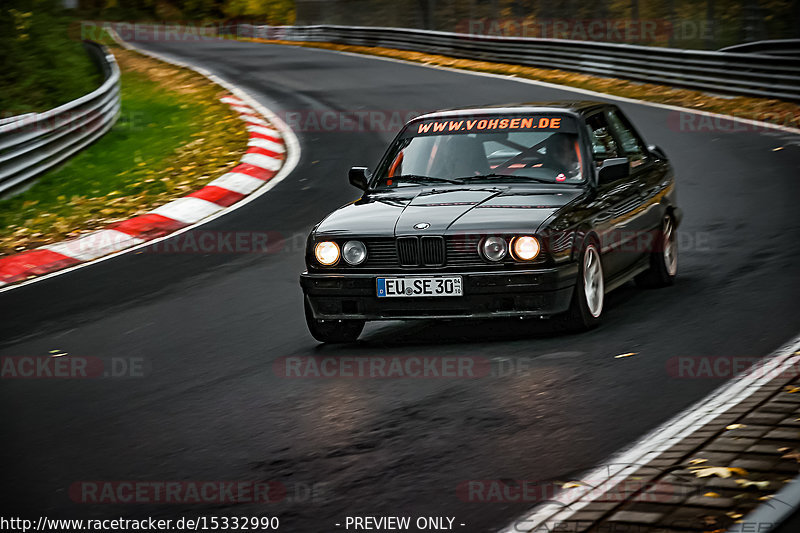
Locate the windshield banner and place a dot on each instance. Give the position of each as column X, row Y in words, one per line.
column 459, row 125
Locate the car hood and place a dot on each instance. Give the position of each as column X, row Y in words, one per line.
column 440, row 211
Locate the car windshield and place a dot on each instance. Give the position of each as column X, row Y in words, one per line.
column 482, row 150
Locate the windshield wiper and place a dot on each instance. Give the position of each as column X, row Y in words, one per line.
column 507, row 176
column 414, row 178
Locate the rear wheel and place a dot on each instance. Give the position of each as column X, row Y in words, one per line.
column 663, row 258
column 333, row 331
column 586, row 305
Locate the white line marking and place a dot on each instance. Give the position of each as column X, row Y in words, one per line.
column 266, row 144
column 618, row 467
column 289, row 139
column 243, row 109
column 250, row 119
column 237, row 182
column 228, row 99
column 188, row 209
column 261, row 160
column 94, row 244
column 262, row 129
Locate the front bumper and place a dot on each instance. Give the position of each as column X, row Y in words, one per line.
column 532, row 293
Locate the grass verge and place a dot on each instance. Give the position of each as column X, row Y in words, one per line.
column 172, row 137
column 765, row 110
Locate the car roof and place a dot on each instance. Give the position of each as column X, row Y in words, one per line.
column 578, row 107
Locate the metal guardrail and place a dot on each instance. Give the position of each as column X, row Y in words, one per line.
column 783, row 47
column 749, row 74
column 35, row 142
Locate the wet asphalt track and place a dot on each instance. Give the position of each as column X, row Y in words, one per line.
column 209, row 328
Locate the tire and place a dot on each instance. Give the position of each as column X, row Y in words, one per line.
column 586, row 307
column 663, row 258
column 333, row 331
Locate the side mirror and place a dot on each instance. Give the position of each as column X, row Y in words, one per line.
column 656, row 151
column 359, row 177
column 614, row 169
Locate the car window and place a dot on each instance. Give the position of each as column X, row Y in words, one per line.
column 471, row 149
column 603, row 144
column 632, row 146
column 512, row 146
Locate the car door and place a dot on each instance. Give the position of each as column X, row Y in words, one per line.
column 646, row 175
column 616, row 201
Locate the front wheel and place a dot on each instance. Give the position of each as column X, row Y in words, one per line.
column 663, row 258
column 588, row 297
column 333, row 331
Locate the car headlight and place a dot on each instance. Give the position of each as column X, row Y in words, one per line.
column 327, row 253
column 354, row 252
column 526, row 248
column 494, row 248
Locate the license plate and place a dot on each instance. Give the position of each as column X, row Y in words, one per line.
column 439, row 286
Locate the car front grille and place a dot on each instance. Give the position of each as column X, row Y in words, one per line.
column 381, row 253
column 408, row 251
column 432, row 252
column 421, row 251
column 462, row 250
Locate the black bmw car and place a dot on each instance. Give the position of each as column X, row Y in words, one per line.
column 534, row 210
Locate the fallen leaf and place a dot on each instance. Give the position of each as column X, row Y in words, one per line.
column 794, row 455
column 745, row 483
column 736, row 426
column 697, row 461
column 791, row 389
column 711, row 495
column 719, row 471
column 620, row 356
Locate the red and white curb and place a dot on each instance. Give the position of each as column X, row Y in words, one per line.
column 272, row 153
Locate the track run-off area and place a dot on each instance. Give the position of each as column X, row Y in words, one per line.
column 198, row 343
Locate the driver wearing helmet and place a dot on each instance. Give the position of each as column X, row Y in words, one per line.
column 562, row 156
